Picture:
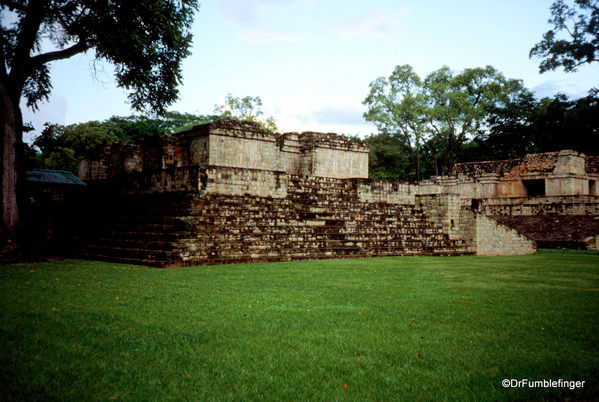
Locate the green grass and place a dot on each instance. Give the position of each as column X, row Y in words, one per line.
column 381, row 329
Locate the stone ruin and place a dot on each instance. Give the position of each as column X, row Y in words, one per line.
column 229, row 191
column 552, row 198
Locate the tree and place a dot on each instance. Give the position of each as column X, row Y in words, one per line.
column 175, row 122
column 146, row 40
column 396, row 107
column 440, row 113
column 457, row 106
column 508, row 132
column 581, row 24
column 247, row 108
column 561, row 123
column 525, row 125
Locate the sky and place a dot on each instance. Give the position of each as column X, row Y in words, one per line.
column 311, row 61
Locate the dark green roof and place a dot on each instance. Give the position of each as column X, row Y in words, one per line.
column 53, row 177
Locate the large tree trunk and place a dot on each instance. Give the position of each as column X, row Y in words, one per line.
column 11, row 126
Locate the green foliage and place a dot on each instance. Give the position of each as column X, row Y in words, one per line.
column 561, row 123
column 62, row 158
column 378, row 329
column 89, row 139
column 389, row 158
column 248, row 109
column 175, row 122
column 580, row 23
column 57, row 151
column 142, row 127
column 458, row 105
column 525, row 125
column 508, row 130
column 396, row 106
column 33, row 159
column 146, row 41
column 439, row 113
column 61, row 146
column 50, row 137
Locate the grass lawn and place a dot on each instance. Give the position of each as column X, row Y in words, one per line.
column 381, row 329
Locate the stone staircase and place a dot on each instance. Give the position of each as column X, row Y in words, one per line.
column 141, row 231
column 318, row 222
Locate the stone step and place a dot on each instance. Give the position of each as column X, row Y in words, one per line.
column 214, row 256
column 129, row 253
column 125, row 260
column 179, row 229
column 141, row 243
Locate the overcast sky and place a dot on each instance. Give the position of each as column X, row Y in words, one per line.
column 311, row 61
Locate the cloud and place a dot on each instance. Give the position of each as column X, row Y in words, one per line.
column 247, row 17
column 374, row 23
column 549, row 89
column 331, row 114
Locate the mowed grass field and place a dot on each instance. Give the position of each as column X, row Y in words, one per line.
column 381, row 329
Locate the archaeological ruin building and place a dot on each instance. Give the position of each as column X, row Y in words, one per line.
column 230, row 191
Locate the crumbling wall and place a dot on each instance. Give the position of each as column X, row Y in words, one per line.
column 99, row 169
column 332, row 155
column 239, row 181
column 531, row 163
column 592, row 165
column 234, row 144
column 473, row 169
column 485, row 236
column 592, row 243
column 443, row 209
column 178, row 179
column 555, row 205
column 388, row 191
column 318, row 218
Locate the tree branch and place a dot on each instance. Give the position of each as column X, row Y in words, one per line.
column 78, row 47
column 13, row 5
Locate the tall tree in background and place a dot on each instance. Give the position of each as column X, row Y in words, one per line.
column 507, row 134
column 580, row 24
column 440, row 113
column 457, row 107
column 396, row 107
column 146, row 40
column 248, row 109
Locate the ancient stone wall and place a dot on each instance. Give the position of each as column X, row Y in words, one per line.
column 234, row 144
column 392, row 192
column 239, row 182
column 531, row 163
column 486, row 236
column 593, row 243
column 230, row 191
column 331, row 155
column 592, row 165
column 525, row 206
column 276, row 216
column 444, row 209
column 319, row 218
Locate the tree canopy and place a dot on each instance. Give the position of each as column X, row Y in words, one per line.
column 146, row 41
column 509, row 130
column 439, row 113
column 248, row 109
column 396, row 107
column 62, row 146
column 579, row 40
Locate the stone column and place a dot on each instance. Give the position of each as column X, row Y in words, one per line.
column 489, row 183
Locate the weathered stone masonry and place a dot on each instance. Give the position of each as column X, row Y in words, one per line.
column 551, row 198
column 229, row 192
